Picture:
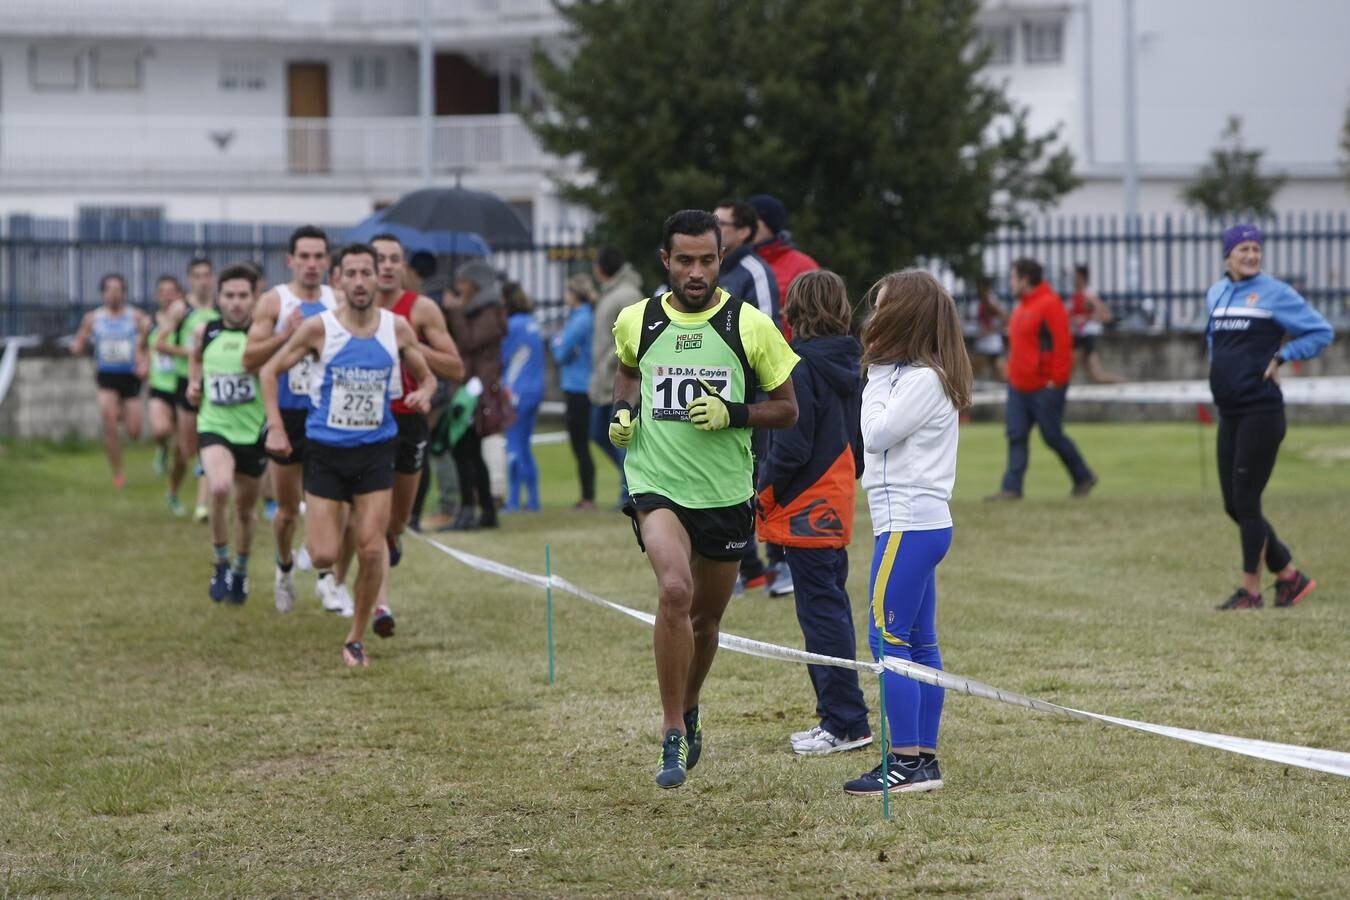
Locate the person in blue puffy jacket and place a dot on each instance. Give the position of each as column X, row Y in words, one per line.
column 572, row 350
column 1250, row 316
column 523, row 375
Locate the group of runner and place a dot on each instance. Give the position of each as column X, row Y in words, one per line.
column 329, row 383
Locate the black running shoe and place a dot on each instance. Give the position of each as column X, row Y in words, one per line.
column 1287, row 593
column 902, row 778
column 693, row 731
column 220, row 582
column 238, row 588
column 395, row 549
column 354, row 655
column 674, row 752
column 384, row 621
column 1242, row 599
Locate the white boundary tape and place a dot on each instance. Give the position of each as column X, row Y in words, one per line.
column 10, row 362
column 1332, row 761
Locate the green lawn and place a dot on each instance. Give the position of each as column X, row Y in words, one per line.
column 154, row 743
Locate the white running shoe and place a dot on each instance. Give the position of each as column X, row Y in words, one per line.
column 798, row 736
column 820, row 742
column 781, row 586
column 347, row 606
column 283, row 591
column 327, row 589
column 302, row 560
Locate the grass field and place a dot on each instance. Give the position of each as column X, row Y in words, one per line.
column 154, row 743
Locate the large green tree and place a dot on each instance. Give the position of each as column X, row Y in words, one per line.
column 1231, row 183
column 870, row 119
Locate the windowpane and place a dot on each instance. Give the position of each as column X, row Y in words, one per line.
column 1044, row 41
column 116, row 68
column 999, row 40
column 54, row 67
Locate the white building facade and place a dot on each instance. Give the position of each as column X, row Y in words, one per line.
column 277, row 111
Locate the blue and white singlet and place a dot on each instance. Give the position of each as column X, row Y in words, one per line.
column 115, row 339
column 352, row 383
column 293, row 391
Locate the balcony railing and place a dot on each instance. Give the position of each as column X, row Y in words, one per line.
column 261, row 18
column 250, row 149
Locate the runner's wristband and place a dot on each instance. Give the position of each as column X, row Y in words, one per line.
column 739, row 414
column 623, row 404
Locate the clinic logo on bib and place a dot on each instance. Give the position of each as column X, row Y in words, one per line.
column 1253, row 298
column 689, row 342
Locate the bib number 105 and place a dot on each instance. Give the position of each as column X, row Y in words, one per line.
column 231, row 390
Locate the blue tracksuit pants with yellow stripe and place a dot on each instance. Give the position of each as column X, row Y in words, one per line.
column 904, row 626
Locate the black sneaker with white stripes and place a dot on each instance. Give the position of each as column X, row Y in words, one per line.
column 909, row 779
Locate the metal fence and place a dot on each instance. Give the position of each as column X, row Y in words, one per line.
column 50, row 268
column 1155, row 271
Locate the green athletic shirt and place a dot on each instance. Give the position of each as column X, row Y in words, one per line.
column 163, row 367
column 187, row 328
column 668, row 455
column 232, row 404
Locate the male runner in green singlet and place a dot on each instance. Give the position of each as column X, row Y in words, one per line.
column 229, row 427
column 182, row 320
column 688, row 362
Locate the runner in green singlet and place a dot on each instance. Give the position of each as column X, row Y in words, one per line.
column 182, row 321
column 688, row 362
column 229, row 427
column 163, row 395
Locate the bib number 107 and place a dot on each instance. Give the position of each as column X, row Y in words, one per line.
column 672, row 393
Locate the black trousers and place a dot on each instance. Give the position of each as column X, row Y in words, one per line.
column 578, row 423
column 475, row 486
column 1248, row 445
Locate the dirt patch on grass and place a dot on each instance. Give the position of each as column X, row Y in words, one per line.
column 1328, row 454
column 297, row 766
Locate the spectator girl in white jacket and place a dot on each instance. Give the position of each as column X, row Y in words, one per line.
column 918, row 381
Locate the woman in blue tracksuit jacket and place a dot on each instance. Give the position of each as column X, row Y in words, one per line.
column 1250, row 313
column 572, row 350
column 523, row 375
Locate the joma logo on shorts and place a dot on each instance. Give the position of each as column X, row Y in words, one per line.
column 689, row 342
column 736, row 545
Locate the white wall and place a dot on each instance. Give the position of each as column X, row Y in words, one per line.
column 183, row 77
column 1282, row 66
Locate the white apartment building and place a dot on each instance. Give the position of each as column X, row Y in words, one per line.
column 287, row 110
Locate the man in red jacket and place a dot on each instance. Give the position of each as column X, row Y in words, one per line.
column 1040, row 362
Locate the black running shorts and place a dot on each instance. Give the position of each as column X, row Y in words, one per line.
column 168, row 397
column 294, row 420
column 413, row 434
column 249, row 459
column 720, row 533
column 125, row 384
column 180, row 396
column 340, row 473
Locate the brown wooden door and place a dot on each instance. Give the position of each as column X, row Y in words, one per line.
column 307, row 98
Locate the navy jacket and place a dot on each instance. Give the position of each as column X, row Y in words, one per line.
column 1248, row 320
column 808, row 480
column 747, row 277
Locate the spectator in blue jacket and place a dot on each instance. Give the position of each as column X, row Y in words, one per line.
column 744, row 275
column 572, row 350
column 1250, row 315
column 523, row 375
column 808, row 485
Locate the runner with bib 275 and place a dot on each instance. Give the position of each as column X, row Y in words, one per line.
column 689, row 361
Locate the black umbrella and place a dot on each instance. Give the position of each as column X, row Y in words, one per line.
column 460, row 209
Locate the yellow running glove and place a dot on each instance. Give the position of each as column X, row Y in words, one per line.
column 621, row 426
column 710, row 412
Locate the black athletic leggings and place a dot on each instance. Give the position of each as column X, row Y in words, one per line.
column 475, row 485
column 1247, row 448
column 578, row 421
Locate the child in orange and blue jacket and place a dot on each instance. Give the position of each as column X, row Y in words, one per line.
column 807, row 490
